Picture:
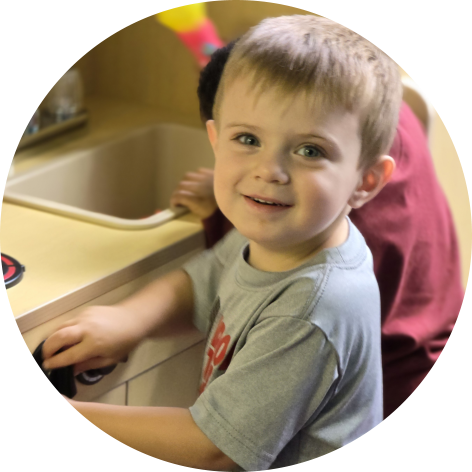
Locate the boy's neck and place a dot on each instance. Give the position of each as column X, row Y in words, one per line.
column 274, row 260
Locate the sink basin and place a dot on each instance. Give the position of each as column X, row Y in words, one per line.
column 125, row 183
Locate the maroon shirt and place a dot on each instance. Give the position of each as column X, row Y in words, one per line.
column 409, row 229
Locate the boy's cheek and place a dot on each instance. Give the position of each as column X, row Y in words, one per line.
column 219, row 195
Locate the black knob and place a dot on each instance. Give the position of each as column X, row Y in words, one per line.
column 62, row 378
column 92, row 376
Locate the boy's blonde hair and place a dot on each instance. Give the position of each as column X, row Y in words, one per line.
column 332, row 64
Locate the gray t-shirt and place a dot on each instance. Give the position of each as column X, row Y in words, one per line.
column 292, row 369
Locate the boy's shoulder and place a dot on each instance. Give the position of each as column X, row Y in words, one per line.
column 330, row 289
column 340, row 300
column 336, row 291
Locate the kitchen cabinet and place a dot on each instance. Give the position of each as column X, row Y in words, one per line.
column 149, row 354
column 172, row 383
column 73, row 264
column 117, row 396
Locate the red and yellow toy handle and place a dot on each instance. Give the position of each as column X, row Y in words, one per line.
column 191, row 24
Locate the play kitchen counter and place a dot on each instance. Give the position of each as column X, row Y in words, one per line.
column 71, row 264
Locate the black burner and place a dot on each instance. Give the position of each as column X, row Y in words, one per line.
column 12, row 271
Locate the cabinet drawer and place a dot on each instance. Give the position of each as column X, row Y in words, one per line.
column 173, row 383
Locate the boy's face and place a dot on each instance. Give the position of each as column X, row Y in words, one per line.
column 300, row 158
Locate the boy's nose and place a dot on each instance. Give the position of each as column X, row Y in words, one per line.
column 271, row 168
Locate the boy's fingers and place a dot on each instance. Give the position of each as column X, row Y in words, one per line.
column 196, row 188
column 201, row 207
column 199, row 176
column 188, row 184
column 206, row 171
column 64, row 337
column 95, row 363
column 193, row 176
column 60, row 341
column 182, row 196
column 70, row 356
column 66, row 324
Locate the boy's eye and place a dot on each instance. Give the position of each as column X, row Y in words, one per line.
column 310, row 151
column 248, row 140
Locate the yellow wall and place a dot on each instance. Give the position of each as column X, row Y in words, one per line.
column 146, row 63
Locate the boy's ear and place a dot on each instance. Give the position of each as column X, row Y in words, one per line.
column 373, row 180
column 212, row 133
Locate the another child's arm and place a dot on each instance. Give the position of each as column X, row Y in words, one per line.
column 195, row 192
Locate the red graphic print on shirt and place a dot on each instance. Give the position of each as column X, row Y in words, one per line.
column 216, row 352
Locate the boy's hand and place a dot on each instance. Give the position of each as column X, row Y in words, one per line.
column 98, row 337
column 196, row 193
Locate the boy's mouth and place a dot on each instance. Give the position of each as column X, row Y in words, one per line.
column 264, row 201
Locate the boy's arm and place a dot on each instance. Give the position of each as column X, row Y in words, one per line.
column 169, row 434
column 103, row 335
column 165, row 306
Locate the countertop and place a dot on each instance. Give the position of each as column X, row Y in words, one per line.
column 69, row 262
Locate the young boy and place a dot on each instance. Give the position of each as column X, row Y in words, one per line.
column 417, row 312
column 304, row 114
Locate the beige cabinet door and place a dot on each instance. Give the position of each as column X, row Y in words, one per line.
column 117, row 396
column 171, row 383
